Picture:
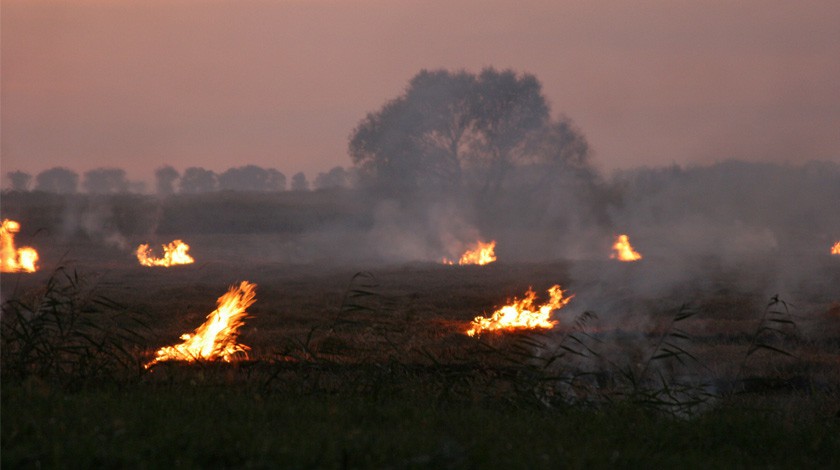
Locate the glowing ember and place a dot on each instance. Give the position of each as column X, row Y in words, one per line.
column 483, row 253
column 623, row 250
column 835, row 250
column 522, row 314
column 215, row 339
column 173, row 253
column 13, row 259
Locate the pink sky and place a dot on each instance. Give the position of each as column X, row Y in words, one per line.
column 141, row 83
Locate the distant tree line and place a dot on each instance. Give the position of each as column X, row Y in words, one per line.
column 487, row 137
column 168, row 180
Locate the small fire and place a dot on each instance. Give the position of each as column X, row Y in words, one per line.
column 173, row 253
column 483, row 253
column 13, row 259
column 623, row 250
column 522, row 314
column 835, row 250
column 215, row 339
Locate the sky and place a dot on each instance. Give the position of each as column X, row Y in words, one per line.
column 138, row 84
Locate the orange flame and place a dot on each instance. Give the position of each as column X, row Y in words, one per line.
column 522, row 314
column 835, row 250
column 623, row 250
column 13, row 259
column 483, row 253
column 173, row 253
column 216, row 338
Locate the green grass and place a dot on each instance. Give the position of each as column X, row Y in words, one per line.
column 200, row 426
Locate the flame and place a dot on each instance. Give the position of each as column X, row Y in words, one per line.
column 216, row 338
column 15, row 259
column 835, row 250
column 483, row 253
column 522, row 314
column 623, row 250
column 173, row 253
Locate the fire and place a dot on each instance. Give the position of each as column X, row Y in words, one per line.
column 173, row 253
column 15, row 259
column 483, row 253
column 623, row 250
column 522, row 314
column 215, row 339
column 835, row 250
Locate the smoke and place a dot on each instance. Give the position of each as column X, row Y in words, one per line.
column 721, row 241
column 766, row 222
column 423, row 232
column 754, row 227
column 110, row 220
column 93, row 218
column 795, row 205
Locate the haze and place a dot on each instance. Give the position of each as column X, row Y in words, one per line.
column 217, row 84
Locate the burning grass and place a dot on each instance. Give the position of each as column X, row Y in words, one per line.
column 522, row 314
column 216, row 338
column 14, row 259
column 623, row 251
column 174, row 253
column 483, row 253
column 389, row 351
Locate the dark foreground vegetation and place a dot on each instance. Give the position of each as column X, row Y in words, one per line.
column 207, row 425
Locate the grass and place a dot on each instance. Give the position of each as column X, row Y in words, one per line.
column 356, row 370
column 67, row 334
column 201, row 426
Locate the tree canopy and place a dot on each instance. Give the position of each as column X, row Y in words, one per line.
column 165, row 178
column 19, row 180
column 447, row 124
column 299, row 182
column 252, row 178
column 105, row 181
column 198, row 180
column 57, row 180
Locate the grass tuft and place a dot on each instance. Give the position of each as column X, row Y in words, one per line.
column 67, row 335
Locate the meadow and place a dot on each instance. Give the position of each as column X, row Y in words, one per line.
column 359, row 362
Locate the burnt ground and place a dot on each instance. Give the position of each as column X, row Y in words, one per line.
column 365, row 364
column 414, row 314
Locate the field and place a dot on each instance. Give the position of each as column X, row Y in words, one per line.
column 362, row 362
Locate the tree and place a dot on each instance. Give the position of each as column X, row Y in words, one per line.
column 105, row 181
column 276, row 180
column 556, row 181
column 299, row 182
column 136, row 187
column 165, row 178
column 19, row 180
column 444, row 123
column 337, row 177
column 252, row 178
column 198, row 180
column 57, row 180
column 558, row 145
column 507, row 109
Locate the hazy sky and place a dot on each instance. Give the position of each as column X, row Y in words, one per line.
column 138, row 84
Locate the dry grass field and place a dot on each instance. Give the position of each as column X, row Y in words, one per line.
column 685, row 349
